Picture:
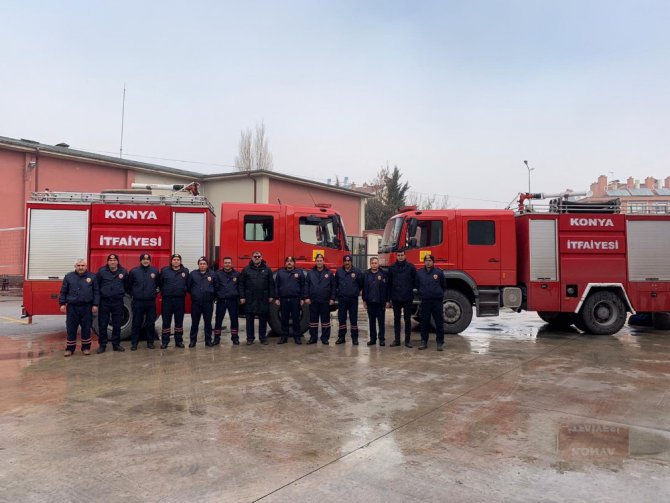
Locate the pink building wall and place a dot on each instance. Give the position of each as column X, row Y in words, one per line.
column 26, row 172
column 292, row 193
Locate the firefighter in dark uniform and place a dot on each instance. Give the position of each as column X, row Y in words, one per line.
column 143, row 287
column 202, row 285
column 174, row 285
column 257, row 291
column 79, row 299
column 431, row 283
column 401, row 279
column 227, row 299
column 290, row 286
column 113, row 283
column 320, row 295
column 375, row 298
column 348, row 286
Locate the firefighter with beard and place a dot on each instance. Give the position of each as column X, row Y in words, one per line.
column 348, row 285
column 113, row 283
column 401, row 278
column 227, row 299
column 143, row 286
column 79, row 299
column 174, row 285
column 290, row 283
column 202, row 286
column 320, row 295
column 375, row 299
column 257, row 291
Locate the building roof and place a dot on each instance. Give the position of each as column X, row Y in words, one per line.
column 642, row 191
column 663, row 192
column 287, row 178
column 63, row 151
column 617, row 193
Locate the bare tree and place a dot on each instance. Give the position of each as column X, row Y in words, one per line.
column 254, row 152
column 428, row 201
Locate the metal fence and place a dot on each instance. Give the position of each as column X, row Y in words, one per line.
column 357, row 246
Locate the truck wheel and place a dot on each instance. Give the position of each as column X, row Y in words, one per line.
column 275, row 319
column 603, row 313
column 556, row 319
column 126, row 321
column 457, row 312
column 661, row 321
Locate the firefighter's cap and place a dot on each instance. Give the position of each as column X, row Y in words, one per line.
column 346, row 258
column 202, row 259
column 112, row 256
column 145, row 256
column 428, row 256
column 175, row 255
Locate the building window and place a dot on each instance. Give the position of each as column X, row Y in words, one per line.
column 637, row 206
column 258, row 228
column 481, row 232
column 660, row 207
column 428, row 233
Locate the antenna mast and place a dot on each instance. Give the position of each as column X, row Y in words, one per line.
column 123, row 114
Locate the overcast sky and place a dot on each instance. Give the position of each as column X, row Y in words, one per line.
column 456, row 93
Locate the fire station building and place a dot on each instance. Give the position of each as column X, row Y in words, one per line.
column 28, row 166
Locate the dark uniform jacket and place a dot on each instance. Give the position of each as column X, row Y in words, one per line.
column 431, row 283
column 290, row 283
column 401, row 279
column 375, row 286
column 174, row 283
column 348, row 284
column 113, row 285
column 320, row 286
column 143, row 282
column 256, row 286
column 79, row 290
column 202, row 286
column 227, row 284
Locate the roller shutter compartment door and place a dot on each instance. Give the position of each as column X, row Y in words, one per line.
column 56, row 239
column 189, row 230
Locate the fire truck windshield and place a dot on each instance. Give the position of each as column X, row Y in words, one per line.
column 391, row 235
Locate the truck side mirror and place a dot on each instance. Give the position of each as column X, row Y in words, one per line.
column 412, row 242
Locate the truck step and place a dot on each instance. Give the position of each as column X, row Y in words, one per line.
column 488, row 302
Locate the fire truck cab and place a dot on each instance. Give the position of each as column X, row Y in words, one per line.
column 279, row 230
column 580, row 264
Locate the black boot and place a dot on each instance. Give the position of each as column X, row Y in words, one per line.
column 101, row 349
column 298, row 340
column 217, row 341
column 283, row 340
column 340, row 340
column 312, row 340
column 408, row 343
column 423, row 345
column 371, row 343
column 396, row 342
column 354, row 341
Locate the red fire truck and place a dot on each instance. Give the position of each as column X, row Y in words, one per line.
column 574, row 263
column 63, row 226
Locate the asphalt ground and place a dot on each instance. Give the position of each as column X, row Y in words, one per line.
column 510, row 411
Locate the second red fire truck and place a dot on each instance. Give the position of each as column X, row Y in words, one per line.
column 582, row 264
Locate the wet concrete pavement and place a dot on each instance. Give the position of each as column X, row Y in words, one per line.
column 509, row 412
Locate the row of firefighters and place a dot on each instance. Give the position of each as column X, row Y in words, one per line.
column 256, row 288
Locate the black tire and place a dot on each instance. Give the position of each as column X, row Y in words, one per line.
column 603, row 313
column 661, row 321
column 126, row 321
column 556, row 319
column 275, row 319
column 456, row 312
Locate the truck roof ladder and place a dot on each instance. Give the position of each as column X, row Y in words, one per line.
column 121, row 198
